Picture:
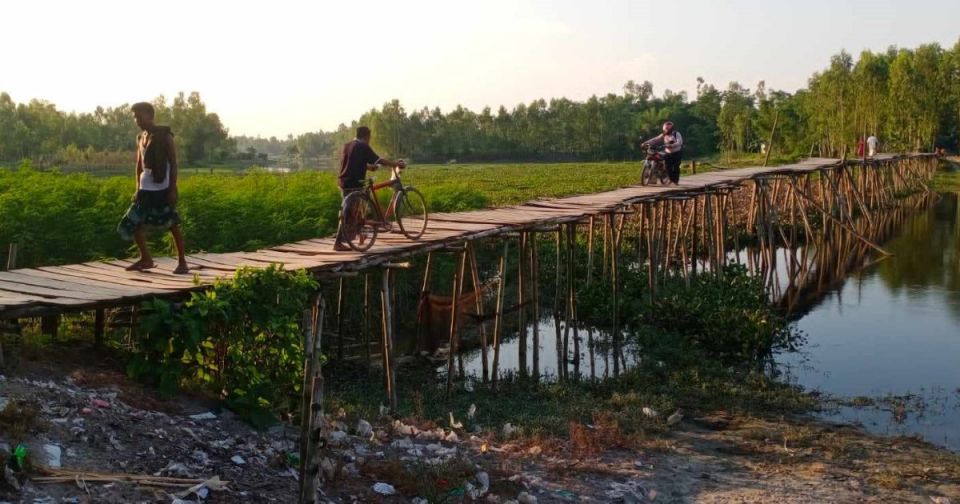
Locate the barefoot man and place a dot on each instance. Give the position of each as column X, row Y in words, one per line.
column 155, row 201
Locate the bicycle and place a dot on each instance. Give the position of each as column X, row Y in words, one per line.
column 367, row 218
column 654, row 167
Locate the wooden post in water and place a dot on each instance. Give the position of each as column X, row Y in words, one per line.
column 423, row 301
column 572, row 295
column 478, row 295
column 615, row 278
column 535, row 295
column 521, row 308
column 498, row 316
column 453, row 343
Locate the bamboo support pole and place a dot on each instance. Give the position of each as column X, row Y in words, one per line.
column 453, row 342
column 424, row 293
column 498, row 317
column 521, row 311
column 311, row 363
column 389, row 362
column 535, row 295
column 477, row 286
column 365, row 323
column 340, row 320
column 615, row 278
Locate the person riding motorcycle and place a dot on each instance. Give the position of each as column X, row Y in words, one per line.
column 672, row 142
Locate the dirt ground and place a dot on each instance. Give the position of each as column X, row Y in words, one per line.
column 103, row 423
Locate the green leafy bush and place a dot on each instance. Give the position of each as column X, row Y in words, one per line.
column 727, row 318
column 240, row 340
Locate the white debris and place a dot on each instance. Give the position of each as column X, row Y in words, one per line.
column 525, row 498
column 453, row 423
column 364, row 429
column 53, row 455
column 484, row 479
column 650, row 412
column 384, row 488
column 509, row 430
column 175, row 469
column 675, row 418
column 402, row 444
column 237, row 459
column 203, row 416
column 472, row 412
column 338, row 438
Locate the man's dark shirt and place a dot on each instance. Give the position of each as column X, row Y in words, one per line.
column 353, row 165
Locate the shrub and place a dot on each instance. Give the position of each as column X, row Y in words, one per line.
column 240, row 339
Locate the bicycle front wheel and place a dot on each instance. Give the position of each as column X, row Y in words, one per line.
column 358, row 221
column 411, row 213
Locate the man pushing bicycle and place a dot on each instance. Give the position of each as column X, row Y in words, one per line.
column 357, row 158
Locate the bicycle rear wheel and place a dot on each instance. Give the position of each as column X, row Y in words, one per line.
column 411, row 213
column 358, row 221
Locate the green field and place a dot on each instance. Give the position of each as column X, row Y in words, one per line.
column 58, row 218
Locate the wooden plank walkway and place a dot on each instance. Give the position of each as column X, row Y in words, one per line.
column 72, row 287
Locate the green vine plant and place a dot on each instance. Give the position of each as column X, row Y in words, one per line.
column 240, row 340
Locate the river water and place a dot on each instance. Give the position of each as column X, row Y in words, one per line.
column 890, row 335
column 886, row 338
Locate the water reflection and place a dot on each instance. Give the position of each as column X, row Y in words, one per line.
column 892, row 331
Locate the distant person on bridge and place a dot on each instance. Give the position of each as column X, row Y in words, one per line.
column 154, row 203
column 672, row 141
column 357, row 158
column 872, row 143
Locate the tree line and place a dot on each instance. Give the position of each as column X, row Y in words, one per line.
column 47, row 136
column 909, row 98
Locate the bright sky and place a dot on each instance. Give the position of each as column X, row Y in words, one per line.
column 280, row 66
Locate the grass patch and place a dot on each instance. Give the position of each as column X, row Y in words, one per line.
column 549, row 409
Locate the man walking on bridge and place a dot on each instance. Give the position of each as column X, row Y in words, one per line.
column 357, row 158
column 154, row 203
column 673, row 147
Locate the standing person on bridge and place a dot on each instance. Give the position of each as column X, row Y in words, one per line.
column 356, row 159
column 672, row 141
column 154, row 203
column 872, row 143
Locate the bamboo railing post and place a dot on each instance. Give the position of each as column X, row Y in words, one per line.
column 498, row 317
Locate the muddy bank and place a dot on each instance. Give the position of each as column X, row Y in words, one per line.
column 102, row 423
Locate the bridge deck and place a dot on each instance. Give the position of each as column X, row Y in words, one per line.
column 95, row 284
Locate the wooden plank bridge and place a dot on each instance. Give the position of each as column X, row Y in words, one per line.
column 51, row 290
